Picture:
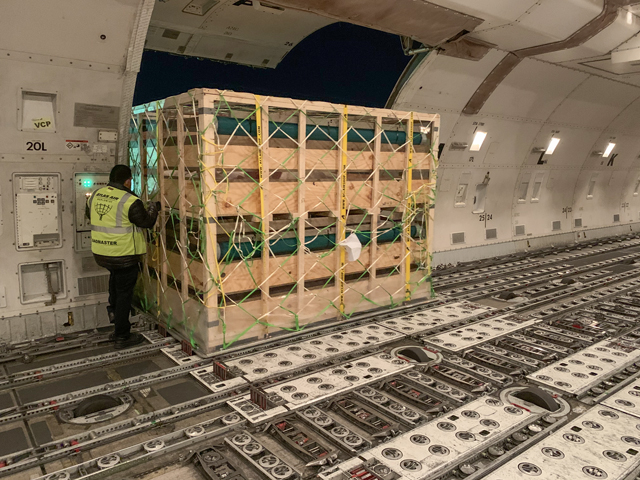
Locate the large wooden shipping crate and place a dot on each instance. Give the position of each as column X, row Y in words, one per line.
column 257, row 193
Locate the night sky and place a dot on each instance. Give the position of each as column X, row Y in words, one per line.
column 341, row 63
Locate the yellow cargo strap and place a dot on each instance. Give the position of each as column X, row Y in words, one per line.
column 409, row 213
column 342, row 226
column 265, row 235
column 260, row 154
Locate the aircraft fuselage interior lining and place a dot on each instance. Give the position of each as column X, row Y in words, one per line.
column 525, row 362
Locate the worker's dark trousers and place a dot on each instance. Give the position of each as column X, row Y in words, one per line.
column 121, row 284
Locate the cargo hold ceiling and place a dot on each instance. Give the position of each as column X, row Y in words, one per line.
column 248, row 32
column 423, row 21
column 258, row 33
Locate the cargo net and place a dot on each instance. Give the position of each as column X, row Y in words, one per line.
column 257, row 195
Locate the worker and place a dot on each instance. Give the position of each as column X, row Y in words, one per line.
column 118, row 244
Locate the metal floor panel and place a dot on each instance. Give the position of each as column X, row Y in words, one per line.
column 54, row 359
column 41, row 432
column 622, row 268
column 13, row 440
column 597, row 445
column 182, row 392
column 62, row 386
column 5, row 401
column 138, row 368
column 589, row 259
column 577, row 373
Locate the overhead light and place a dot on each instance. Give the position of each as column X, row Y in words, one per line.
column 552, row 146
column 478, row 138
column 609, row 149
column 629, row 17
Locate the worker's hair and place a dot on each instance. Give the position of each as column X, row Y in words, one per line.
column 120, row 174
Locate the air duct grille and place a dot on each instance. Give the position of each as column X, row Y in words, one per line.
column 93, row 285
column 520, row 230
column 491, row 233
column 557, row 225
column 616, row 218
column 457, row 238
column 577, row 222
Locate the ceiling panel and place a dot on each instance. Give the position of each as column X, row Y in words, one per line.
column 602, row 67
column 446, row 82
column 559, row 19
column 512, row 37
column 620, row 32
column 595, row 103
column 238, row 51
column 547, row 21
column 494, row 12
column 243, row 32
column 606, row 66
column 424, row 21
column 533, row 90
column 628, row 122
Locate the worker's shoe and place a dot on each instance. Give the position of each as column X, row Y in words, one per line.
column 111, row 314
column 112, row 337
column 129, row 341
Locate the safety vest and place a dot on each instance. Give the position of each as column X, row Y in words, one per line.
column 112, row 234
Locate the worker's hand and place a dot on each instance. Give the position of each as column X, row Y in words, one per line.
column 153, row 207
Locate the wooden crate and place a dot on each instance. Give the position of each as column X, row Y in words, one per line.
column 226, row 174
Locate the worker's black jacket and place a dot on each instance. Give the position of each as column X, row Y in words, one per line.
column 140, row 217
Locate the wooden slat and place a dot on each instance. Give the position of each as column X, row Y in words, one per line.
column 241, row 198
column 239, row 276
column 162, row 186
column 263, row 168
column 409, row 208
column 242, row 276
column 302, row 214
column 374, row 210
column 182, row 208
column 246, row 156
column 239, row 318
column 209, row 270
column 247, row 98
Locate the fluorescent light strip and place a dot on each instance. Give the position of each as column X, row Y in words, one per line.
column 478, row 139
column 552, row 146
column 609, row 149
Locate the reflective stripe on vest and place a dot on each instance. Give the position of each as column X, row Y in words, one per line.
column 121, row 203
column 112, row 234
column 115, row 230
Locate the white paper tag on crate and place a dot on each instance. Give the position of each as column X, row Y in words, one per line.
column 353, row 247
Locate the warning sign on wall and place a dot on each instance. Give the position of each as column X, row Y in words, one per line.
column 76, row 145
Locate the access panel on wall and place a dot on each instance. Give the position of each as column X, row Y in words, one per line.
column 37, row 210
